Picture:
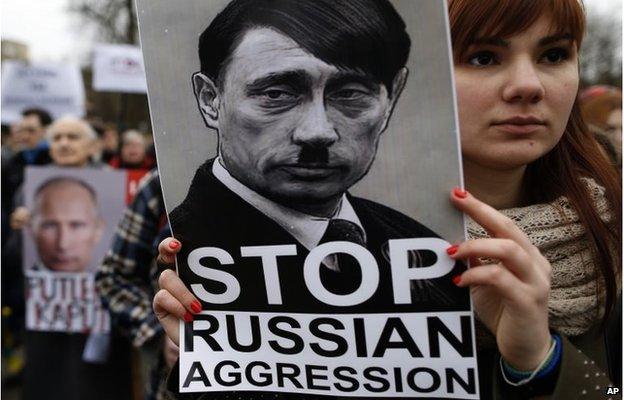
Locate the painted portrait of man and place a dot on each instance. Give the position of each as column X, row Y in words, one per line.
column 299, row 95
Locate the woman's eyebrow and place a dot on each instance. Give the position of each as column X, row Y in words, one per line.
column 499, row 42
column 555, row 38
column 492, row 41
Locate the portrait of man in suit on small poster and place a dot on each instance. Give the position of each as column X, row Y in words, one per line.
column 295, row 192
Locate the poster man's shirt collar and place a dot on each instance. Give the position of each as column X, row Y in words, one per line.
column 307, row 229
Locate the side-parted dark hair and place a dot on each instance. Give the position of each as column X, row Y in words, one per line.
column 578, row 154
column 361, row 35
column 44, row 117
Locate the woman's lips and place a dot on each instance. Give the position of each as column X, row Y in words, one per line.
column 520, row 129
column 520, row 124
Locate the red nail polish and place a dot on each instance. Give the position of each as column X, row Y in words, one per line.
column 196, row 306
column 188, row 317
column 174, row 244
column 452, row 250
column 459, row 193
column 457, row 279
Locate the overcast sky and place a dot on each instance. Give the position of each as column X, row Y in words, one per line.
column 54, row 34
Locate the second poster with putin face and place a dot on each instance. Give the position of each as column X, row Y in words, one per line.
column 73, row 213
column 306, row 151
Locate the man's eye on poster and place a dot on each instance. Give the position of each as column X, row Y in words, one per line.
column 306, row 149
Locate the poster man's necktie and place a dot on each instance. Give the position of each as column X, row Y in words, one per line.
column 346, row 276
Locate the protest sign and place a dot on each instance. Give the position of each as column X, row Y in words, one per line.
column 118, row 68
column 73, row 216
column 57, row 88
column 308, row 182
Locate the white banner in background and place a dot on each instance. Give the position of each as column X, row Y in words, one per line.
column 118, row 68
column 57, row 88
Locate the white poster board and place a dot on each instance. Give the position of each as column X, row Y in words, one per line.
column 252, row 134
column 56, row 88
column 118, row 68
column 73, row 216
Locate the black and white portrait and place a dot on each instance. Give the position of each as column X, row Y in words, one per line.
column 284, row 127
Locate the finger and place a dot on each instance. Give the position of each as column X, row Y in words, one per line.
column 172, row 283
column 169, row 312
column 474, row 262
column 496, row 224
column 167, row 249
column 504, row 282
column 514, row 257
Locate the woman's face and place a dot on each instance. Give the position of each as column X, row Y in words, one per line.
column 515, row 95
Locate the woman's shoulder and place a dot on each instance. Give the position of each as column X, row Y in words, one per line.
column 598, row 195
column 555, row 214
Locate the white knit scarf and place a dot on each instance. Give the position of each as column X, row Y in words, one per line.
column 555, row 229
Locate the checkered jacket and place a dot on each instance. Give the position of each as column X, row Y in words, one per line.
column 127, row 278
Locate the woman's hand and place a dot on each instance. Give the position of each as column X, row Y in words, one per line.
column 510, row 295
column 173, row 302
column 19, row 217
column 171, row 352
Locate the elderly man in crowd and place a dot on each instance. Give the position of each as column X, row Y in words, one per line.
column 72, row 143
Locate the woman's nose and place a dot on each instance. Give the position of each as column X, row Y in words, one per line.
column 524, row 83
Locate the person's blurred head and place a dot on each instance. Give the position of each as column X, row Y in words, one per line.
column 72, row 142
column 110, row 139
column 66, row 224
column 31, row 128
column 602, row 108
column 16, row 140
column 133, row 148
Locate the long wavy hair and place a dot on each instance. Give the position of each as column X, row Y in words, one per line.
column 577, row 155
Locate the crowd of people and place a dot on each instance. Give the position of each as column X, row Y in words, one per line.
column 73, row 143
column 574, row 175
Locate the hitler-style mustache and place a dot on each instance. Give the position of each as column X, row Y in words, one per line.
column 313, row 155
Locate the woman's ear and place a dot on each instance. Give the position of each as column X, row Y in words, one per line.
column 207, row 97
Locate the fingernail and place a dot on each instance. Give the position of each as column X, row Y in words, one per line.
column 457, row 279
column 196, row 306
column 459, row 193
column 188, row 317
column 174, row 244
column 452, row 250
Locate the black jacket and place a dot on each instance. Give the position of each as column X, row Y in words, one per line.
column 213, row 216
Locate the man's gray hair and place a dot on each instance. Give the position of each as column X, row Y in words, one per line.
column 84, row 127
column 131, row 135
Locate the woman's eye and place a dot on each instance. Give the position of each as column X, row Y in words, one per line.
column 555, row 56
column 482, row 59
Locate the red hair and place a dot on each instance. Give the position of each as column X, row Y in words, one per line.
column 578, row 154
